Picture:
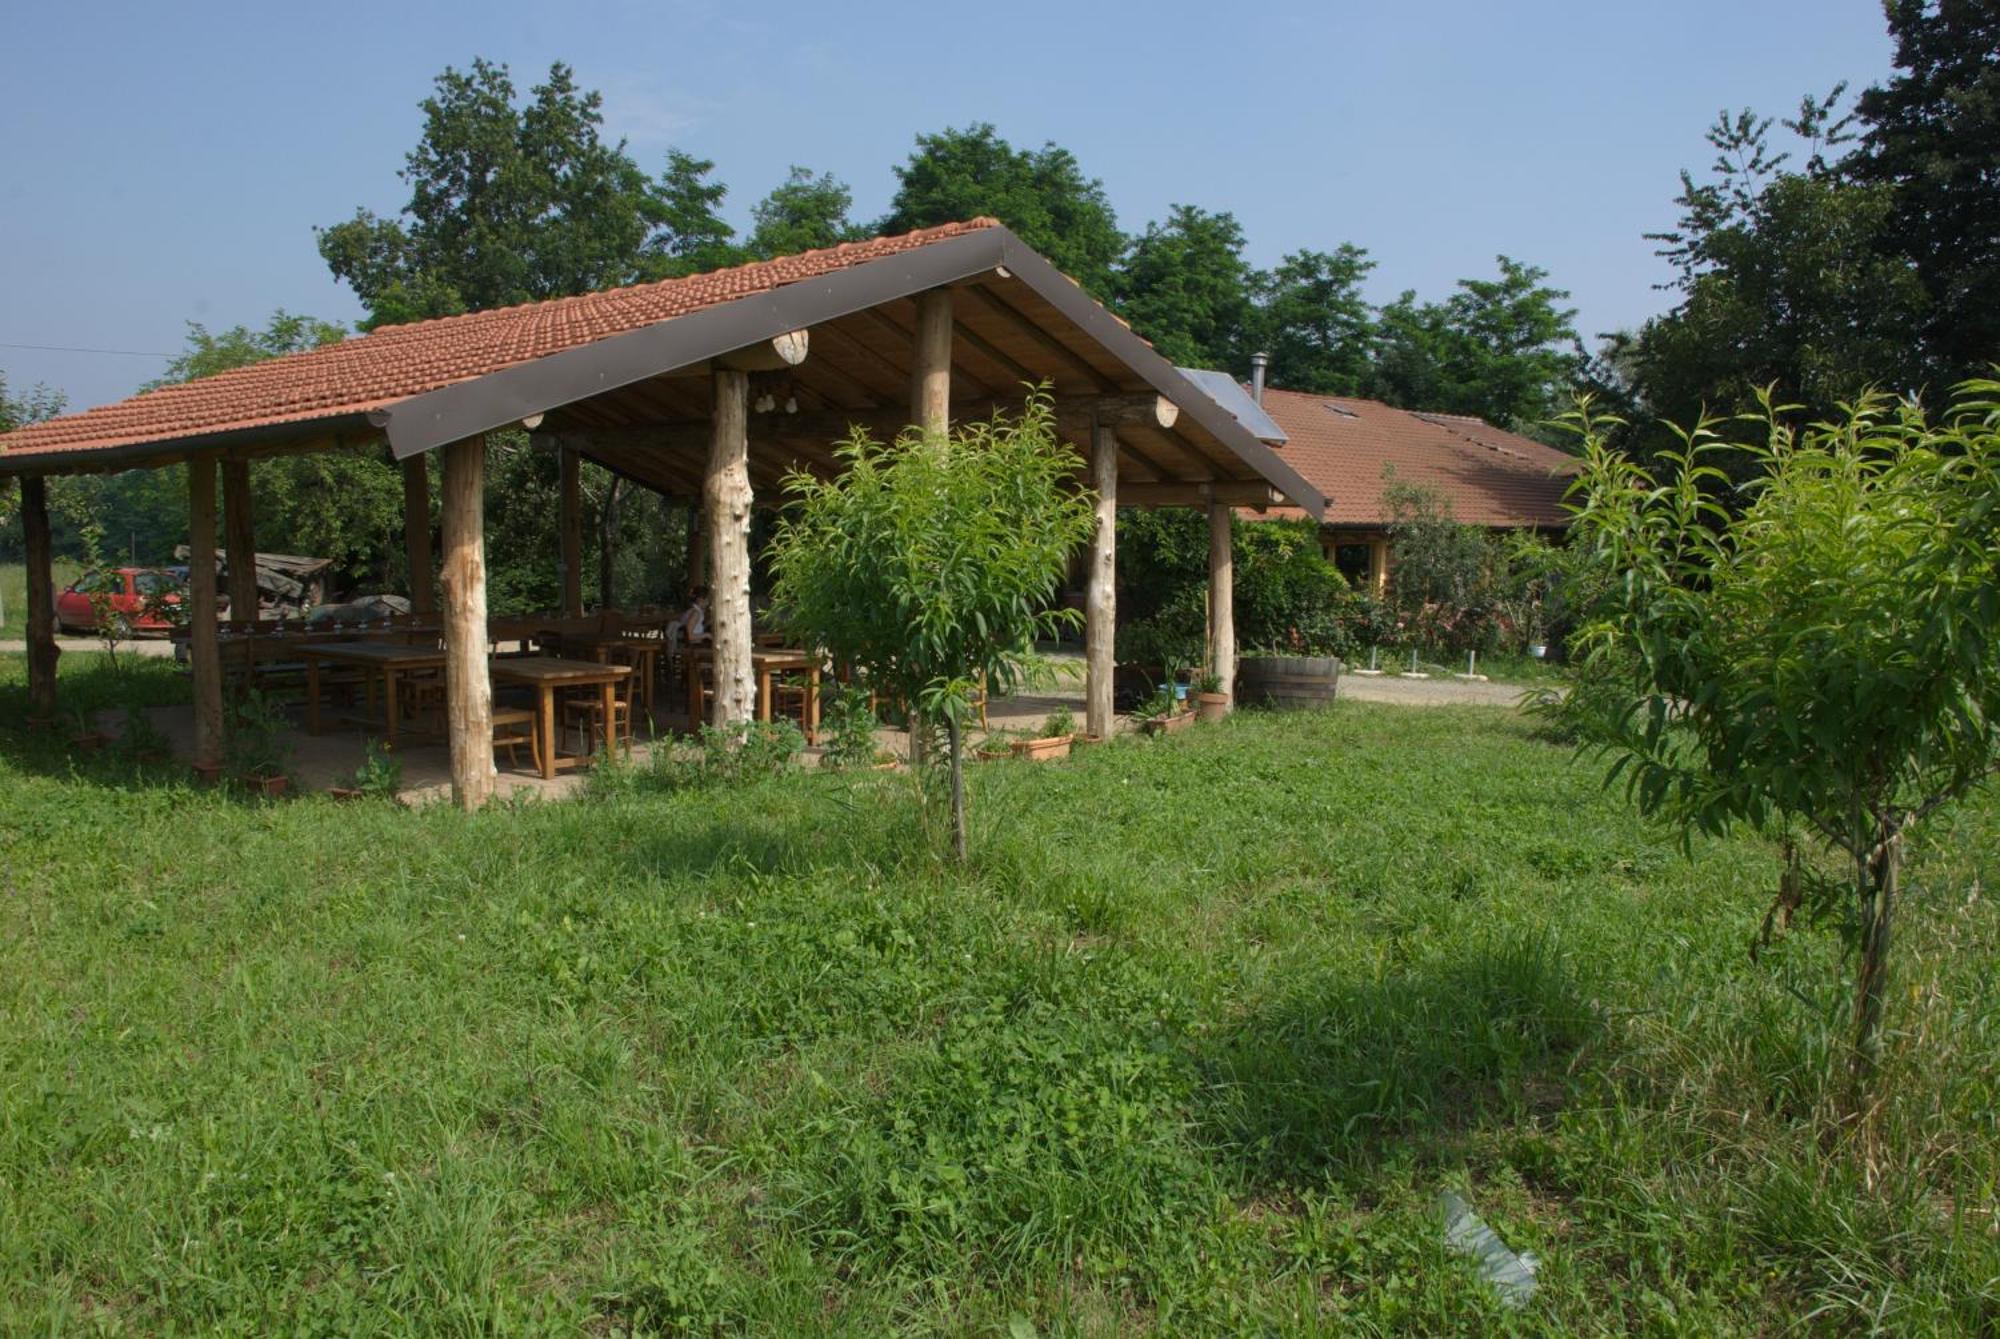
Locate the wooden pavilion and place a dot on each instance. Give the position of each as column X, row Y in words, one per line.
column 712, row 387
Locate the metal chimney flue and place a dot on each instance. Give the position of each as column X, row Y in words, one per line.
column 1259, row 363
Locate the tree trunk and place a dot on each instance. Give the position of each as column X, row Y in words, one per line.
column 607, row 546
column 42, row 650
column 468, row 691
column 955, row 733
column 1883, row 875
column 726, row 499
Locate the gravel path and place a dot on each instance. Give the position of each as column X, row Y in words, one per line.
column 138, row 646
column 1438, row 691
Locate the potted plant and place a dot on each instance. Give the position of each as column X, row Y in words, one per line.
column 1057, row 732
column 998, row 744
column 256, row 750
column 1162, row 714
column 380, row 775
column 140, row 740
column 1209, row 693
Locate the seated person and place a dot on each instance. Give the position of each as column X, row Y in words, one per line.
column 691, row 628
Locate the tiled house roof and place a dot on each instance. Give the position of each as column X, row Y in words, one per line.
column 1349, row 449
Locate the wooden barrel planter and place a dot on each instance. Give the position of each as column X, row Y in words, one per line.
column 1288, row 683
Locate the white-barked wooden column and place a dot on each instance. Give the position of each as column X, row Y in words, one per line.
column 468, row 689
column 1100, row 603
column 1222, row 594
column 930, row 377
column 725, row 500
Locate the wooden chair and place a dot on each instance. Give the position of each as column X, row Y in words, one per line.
column 513, row 727
column 586, row 712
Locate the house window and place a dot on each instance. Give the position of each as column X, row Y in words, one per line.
column 1351, row 560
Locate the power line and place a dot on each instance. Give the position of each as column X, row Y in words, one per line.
column 67, row 348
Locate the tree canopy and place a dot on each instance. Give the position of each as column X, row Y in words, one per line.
column 1042, row 194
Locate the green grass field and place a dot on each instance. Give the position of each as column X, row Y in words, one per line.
column 1192, row 1048
column 14, row 593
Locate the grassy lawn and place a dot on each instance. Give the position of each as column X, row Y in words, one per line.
column 14, row 593
column 1192, row 1048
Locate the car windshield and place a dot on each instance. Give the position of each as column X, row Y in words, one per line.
column 99, row 583
column 156, row 583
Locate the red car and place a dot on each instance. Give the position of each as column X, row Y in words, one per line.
column 136, row 594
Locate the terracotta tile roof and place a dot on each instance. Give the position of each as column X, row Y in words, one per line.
column 1492, row 477
column 395, row 362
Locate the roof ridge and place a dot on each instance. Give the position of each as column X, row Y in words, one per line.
column 666, row 283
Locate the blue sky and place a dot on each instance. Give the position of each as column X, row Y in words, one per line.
column 168, row 162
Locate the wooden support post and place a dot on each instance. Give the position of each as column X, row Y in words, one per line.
column 696, row 563
column 239, row 539
column 725, row 498
column 1222, row 594
column 468, row 690
column 569, row 518
column 417, row 534
column 1100, row 608
column 930, row 379
column 204, row 655
column 41, row 597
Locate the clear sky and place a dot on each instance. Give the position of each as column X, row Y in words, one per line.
column 165, row 163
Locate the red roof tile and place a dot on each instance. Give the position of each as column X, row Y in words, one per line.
column 395, row 362
column 1343, row 446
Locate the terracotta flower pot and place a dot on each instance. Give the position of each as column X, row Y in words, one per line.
column 1043, row 750
column 271, row 787
column 208, row 773
column 344, row 793
column 88, row 742
column 1214, row 706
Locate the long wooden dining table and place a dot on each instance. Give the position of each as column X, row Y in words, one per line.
column 546, row 675
column 765, row 663
column 641, row 653
column 389, row 662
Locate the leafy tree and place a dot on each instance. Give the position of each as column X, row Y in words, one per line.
column 802, row 213
column 1933, row 141
column 1441, row 573
column 1822, row 663
column 40, row 401
column 1499, row 349
column 692, row 237
column 507, row 204
column 1186, row 287
column 931, row 564
column 1313, row 321
column 1041, row 194
column 1787, row 279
